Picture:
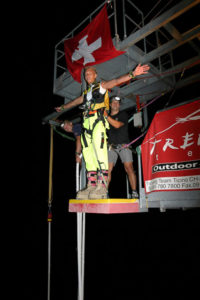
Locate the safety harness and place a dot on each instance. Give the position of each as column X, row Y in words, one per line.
column 97, row 100
column 96, row 104
column 89, row 131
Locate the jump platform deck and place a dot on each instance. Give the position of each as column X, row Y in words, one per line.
column 104, row 206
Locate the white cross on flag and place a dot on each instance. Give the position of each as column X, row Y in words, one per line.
column 93, row 45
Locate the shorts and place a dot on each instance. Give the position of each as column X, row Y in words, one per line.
column 124, row 154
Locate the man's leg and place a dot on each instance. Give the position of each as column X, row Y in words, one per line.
column 110, row 168
column 132, row 178
column 99, row 144
column 131, row 174
column 127, row 159
column 112, row 159
column 90, row 161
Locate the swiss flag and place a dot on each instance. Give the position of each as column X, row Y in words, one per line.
column 93, row 45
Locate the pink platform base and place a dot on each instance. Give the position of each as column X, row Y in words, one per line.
column 104, row 206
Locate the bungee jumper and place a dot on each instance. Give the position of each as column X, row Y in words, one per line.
column 95, row 101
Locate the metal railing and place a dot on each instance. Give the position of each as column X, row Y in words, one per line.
column 60, row 68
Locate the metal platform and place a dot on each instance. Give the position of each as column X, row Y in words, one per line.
column 104, row 206
column 153, row 43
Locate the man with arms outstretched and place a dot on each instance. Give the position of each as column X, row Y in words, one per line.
column 93, row 138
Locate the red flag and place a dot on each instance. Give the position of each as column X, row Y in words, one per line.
column 93, row 45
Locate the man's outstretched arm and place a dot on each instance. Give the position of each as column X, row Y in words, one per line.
column 70, row 104
column 139, row 70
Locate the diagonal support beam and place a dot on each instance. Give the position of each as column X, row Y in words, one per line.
column 167, row 47
column 178, row 36
column 159, row 22
column 173, row 31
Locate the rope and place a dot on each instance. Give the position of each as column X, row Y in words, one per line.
column 173, row 71
column 163, row 8
column 127, row 145
column 150, row 102
column 174, row 89
column 153, row 100
column 64, row 135
column 161, row 74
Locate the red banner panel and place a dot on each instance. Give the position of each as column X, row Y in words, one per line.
column 171, row 150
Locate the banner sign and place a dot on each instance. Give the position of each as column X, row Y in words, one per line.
column 171, row 150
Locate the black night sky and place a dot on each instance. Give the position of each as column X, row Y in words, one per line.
column 128, row 256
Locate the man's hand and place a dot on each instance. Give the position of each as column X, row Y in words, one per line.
column 59, row 108
column 139, row 70
column 105, row 113
column 78, row 158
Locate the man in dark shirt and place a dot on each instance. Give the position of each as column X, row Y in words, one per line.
column 117, row 138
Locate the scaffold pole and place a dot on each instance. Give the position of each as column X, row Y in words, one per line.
column 49, row 218
column 80, row 242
